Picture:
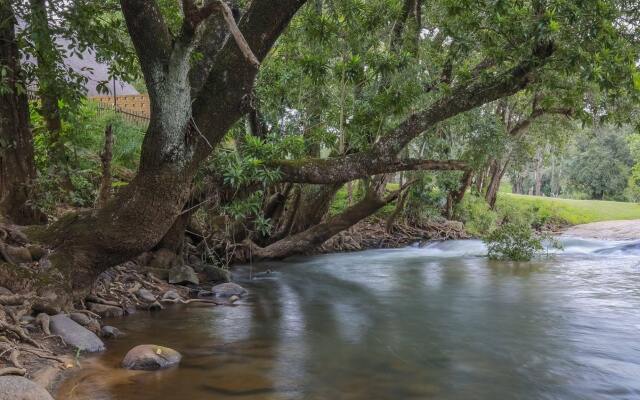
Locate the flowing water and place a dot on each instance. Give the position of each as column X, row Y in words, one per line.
column 438, row 322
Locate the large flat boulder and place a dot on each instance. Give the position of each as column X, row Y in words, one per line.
column 75, row 334
column 19, row 388
column 150, row 357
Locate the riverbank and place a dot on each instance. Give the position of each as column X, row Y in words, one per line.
column 607, row 230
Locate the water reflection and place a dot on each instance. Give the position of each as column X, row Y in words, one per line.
column 431, row 322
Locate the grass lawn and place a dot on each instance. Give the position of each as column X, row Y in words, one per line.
column 573, row 211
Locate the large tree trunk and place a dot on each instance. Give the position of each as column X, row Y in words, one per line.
column 498, row 169
column 455, row 197
column 17, row 170
column 314, row 204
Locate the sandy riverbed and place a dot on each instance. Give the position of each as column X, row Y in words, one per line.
column 607, row 230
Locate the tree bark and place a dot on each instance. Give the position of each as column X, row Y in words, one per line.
column 104, row 192
column 17, row 169
column 497, row 171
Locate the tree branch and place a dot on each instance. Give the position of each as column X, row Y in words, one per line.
column 149, row 34
column 335, row 170
column 194, row 16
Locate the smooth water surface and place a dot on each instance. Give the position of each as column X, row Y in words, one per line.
column 434, row 322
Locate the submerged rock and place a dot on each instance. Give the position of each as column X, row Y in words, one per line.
column 150, row 357
column 228, row 289
column 110, row 332
column 183, row 274
column 75, row 334
column 216, row 274
column 19, row 388
column 105, row 311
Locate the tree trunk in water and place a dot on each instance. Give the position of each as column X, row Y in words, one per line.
column 17, row 170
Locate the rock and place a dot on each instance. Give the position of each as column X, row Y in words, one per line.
column 130, row 310
column 82, row 319
column 75, row 334
column 171, row 295
column 27, row 319
column 233, row 299
column 105, row 311
column 5, row 292
column 155, row 306
column 146, row 295
column 183, row 274
column 37, row 252
column 18, row 255
column 228, row 289
column 216, row 274
column 159, row 273
column 150, row 357
column 19, row 388
column 110, row 332
column 164, row 259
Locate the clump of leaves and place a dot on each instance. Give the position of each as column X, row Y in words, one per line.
column 515, row 241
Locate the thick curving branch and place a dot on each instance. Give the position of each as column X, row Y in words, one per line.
column 334, row 170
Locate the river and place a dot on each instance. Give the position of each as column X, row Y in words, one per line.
column 433, row 322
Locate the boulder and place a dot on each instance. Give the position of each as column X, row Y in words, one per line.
column 82, row 319
column 75, row 334
column 216, row 274
column 228, row 289
column 19, row 388
column 37, row 252
column 171, row 295
column 146, row 295
column 164, row 259
column 105, row 311
column 159, row 273
column 183, row 274
column 18, row 255
column 150, row 357
column 5, row 292
column 110, row 332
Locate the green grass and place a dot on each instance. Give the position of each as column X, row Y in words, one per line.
column 572, row 211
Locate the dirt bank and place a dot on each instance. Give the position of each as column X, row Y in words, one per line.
column 607, row 230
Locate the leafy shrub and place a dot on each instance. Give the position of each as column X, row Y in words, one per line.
column 478, row 218
column 513, row 241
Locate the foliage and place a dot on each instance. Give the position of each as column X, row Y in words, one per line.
column 478, row 218
column 601, row 166
column 83, row 137
column 513, row 241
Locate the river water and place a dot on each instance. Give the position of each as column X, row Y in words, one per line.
column 433, row 322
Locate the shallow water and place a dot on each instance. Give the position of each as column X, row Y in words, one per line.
column 437, row 322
